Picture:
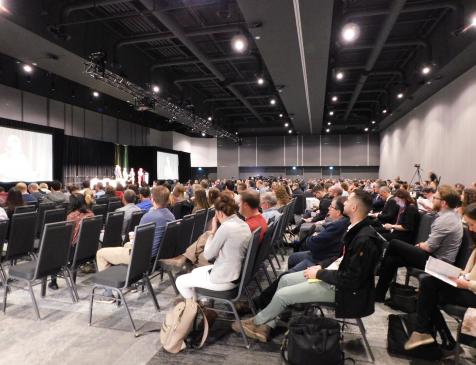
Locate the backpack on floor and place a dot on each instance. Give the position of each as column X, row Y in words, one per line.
column 403, row 298
column 179, row 323
column 400, row 326
column 312, row 339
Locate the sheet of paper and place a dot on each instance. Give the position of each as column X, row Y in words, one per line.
column 442, row 270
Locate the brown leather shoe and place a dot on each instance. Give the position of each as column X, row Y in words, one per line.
column 258, row 332
column 176, row 262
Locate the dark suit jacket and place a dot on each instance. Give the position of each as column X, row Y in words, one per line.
column 324, row 205
column 389, row 212
column 328, row 243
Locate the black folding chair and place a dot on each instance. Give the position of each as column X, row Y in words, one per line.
column 181, row 209
column 210, row 215
column 3, row 237
column 133, row 222
column 102, row 200
column 52, row 259
column 199, row 225
column 113, row 230
column 113, row 205
column 100, row 209
column 263, row 253
column 52, row 216
column 230, row 297
column 120, row 277
column 42, row 208
column 88, row 243
column 28, row 208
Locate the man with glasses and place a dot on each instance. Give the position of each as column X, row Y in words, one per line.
column 443, row 242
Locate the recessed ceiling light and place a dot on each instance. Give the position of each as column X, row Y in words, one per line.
column 209, row 119
column 28, row 69
column 260, row 81
column 239, row 43
column 328, row 130
column 236, row 133
column 366, row 129
column 329, row 123
column 331, row 113
column 155, row 89
column 373, row 121
column 473, row 21
column 257, row 37
column 203, row 134
column 384, row 111
column 339, row 75
column 272, row 101
column 95, row 94
column 426, row 70
column 286, row 124
column 290, row 131
column 350, row 32
column 400, row 95
column 281, row 115
column 335, row 98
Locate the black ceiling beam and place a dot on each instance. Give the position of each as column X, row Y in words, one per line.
column 410, row 43
column 397, row 6
column 67, row 10
column 195, row 61
column 212, row 100
column 369, row 91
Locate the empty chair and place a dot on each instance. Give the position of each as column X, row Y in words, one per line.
column 52, row 259
column 133, row 222
column 230, row 297
column 199, row 225
column 119, row 278
column 100, row 209
column 21, row 237
column 113, row 230
column 113, row 205
column 88, row 243
column 25, row 208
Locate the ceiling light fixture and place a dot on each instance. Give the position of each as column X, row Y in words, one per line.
column 426, row 70
column 239, row 43
column 272, row 101
column 236, row 133
column 95, row 94
column 339, row 75
column 329, row 123
column 281, row 115
column 210, row 119
column 328, row 130
column 335, row 98
column 203, row 134
column 400, row 95
column 350, row 32
column 260, row 81
column 257, row 37
column 384, row 111
column 3, row 8
column 286, row 124
column 331, row 113
column 366, row 129
column 290, row 131
column 155, row 89
column 27, row 68
column 373, row 121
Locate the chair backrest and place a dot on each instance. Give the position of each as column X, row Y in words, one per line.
column 300, row 204
column 27, row 208
column 181, row 209
column 42, row 208
column 54, row 248
column 141, row 252
column 64, row 205
column 113, row 205
column 134, row 221
column 113, row 229
column 199, row 225
column 265, row 247
column 247, row 272
column 210, row 215
column 383, row 246
column 100, row 209
column 101, row 200
column 22, row 235
column 52, row 216
column 464, row 251
column 424, row 227
column 185, row 238
column 3, row 232
column 88, row 241
column 167, row 247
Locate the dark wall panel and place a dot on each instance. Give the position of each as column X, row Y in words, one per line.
column 248, row 152
column 57, row 114
column 291, row 151
column 354, row 150
column 374, row 150
column 227, row 159
column 330, row 150
column 34, row 109
column 270, row 151
column 311, row 150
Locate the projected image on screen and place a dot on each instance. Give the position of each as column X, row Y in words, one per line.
column 167, row 166
column 25, row 155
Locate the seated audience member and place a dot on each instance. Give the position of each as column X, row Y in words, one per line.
column 377, row 201
column 158, row 214
column 443, row 243
column 34, row 191
column 261, row 187
column 56, row 196
column 110, row 192
column 213, row 194
column 200, row 201
column 14, row 199
column 85, row 185
column 3, row 196
column 350, row 287
column 3, row 214
column 240, row 188
column 327, row 243
column 129, row 207
column 44, row 188
column 99, row 190
column 269, row 204
column 468, row 197
column 282, row 197
column 79, row 211
column 425, row 202
column 27, row 198
column 89, row 197
column 434, row 292
column 406, row 226
column 119, row 191
column 226, row 244
column 145, row 202
column 345, row 189
column 180, row 206
column 249, row 209
column 389, row 212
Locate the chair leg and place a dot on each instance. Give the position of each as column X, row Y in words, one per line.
column 43, row 287
column 136, row 334
column 259, row 285
column 250, row 301
column 3, row 276
column 33, row 299
column 267, row 275
column 172, row 279
column 458, row 335
column 5, row 293
column 237, row 317
column 151, row 292
column 364, row 337
column 69, row 283
column 91, row 304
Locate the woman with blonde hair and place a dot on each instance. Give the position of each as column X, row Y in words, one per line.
column 282, row 196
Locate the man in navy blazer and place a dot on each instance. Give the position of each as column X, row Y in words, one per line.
column 328, row 243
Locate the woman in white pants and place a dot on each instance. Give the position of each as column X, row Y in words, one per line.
column 227, row 245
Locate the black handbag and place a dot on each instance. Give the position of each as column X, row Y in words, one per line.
column 403, row 298
column 312, row 340
column 400, row 327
